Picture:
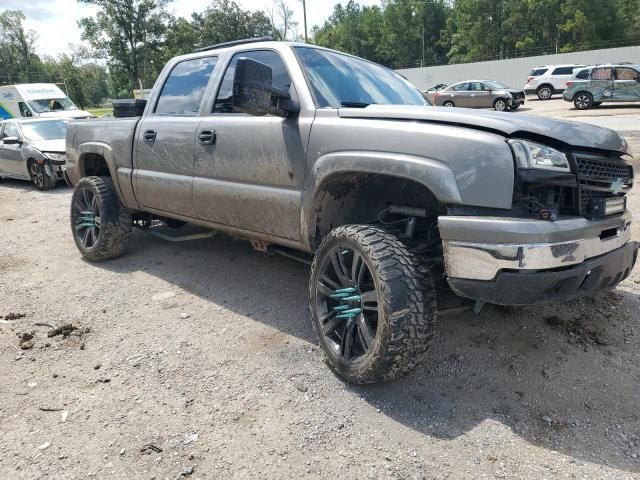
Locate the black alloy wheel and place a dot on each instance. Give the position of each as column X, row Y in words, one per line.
column 347, row 303
column 372, row 304
column 85, row 212
column 100, row 224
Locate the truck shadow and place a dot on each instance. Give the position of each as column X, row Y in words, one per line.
column 563, row 378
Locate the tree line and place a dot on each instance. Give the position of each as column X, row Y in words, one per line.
column 409, row 33
column 128, row 41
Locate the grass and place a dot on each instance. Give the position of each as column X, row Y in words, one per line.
column 99, row 112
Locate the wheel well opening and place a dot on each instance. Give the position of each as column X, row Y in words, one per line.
column 360, row 198
column 95, row 165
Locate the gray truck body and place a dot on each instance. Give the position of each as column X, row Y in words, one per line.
column 267, row 178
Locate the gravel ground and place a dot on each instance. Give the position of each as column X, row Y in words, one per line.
column 198, row 360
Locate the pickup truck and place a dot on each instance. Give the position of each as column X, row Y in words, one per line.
column 306, row 149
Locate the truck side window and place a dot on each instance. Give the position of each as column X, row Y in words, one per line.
column 280, row 79
column 184, row 88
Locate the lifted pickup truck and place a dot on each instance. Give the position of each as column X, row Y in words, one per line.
column 305, row 148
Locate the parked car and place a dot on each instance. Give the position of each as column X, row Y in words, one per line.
column 318, row 154
column 480, row 94
column 430, row 93
column 37, row 100
column 597, row 84
column 33, row 150
column 548, row 80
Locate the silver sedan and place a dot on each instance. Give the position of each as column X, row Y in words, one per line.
column 33, row 150
column 480, row 94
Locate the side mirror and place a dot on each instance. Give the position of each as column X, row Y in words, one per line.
column 11, row 141
column 253, row 91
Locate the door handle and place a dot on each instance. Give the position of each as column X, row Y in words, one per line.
column 149, row 136
column 207, row 137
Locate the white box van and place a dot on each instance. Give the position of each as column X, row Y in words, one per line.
column 33, row 100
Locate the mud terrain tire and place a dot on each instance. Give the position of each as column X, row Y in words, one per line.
column 406, row 304
column 109, row 236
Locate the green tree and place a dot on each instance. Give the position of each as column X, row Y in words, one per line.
column 17, row 48
column 222, row 21
column 130, row 34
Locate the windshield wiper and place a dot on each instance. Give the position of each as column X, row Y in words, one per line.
column 355, row 104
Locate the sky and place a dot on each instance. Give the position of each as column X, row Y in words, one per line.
column 55, row 21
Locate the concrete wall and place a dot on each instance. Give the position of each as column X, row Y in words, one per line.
column 513, row 72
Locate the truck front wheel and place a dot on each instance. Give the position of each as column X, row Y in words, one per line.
column 373, row 307
column 100, row 224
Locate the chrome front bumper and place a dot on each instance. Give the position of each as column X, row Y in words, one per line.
column 483, row 261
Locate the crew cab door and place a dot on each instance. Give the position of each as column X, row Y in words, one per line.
column 165, row 139
column 249, row 170
column 625, row 84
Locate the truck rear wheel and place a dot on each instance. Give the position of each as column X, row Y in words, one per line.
column 100, row 224
column 373, row 307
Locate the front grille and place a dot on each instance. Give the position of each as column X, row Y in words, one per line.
column 589, row 167
column 598, row 177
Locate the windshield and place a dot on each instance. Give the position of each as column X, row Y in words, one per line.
column 49, row 130
column 339, row 80
column 495, row 85
column 52, row 105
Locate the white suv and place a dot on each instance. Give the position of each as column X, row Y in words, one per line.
column 550, row 79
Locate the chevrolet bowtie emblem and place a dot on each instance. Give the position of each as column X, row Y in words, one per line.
column 616, row 186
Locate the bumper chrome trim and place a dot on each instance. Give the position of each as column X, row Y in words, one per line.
column 483, row 261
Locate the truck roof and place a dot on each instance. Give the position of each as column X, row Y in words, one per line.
column 263, row 42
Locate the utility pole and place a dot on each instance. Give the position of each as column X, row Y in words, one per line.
column 304, row 11
column 422, row 63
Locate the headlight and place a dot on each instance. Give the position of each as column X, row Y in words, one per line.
column 534, row 155
column 59, row 157
column 625, row 146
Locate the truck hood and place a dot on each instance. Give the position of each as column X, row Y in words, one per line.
column 580, row 135
column 66, row 114
column 49, row 145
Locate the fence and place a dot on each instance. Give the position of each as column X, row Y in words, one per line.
column 513, row 72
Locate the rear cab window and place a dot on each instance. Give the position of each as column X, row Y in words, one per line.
column 184, row 89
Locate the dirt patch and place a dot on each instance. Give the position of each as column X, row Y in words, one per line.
column 13, row 316
column 26, row 340
column 67, row 330
column 579, row 330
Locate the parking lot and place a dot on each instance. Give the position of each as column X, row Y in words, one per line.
column 198, row 360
